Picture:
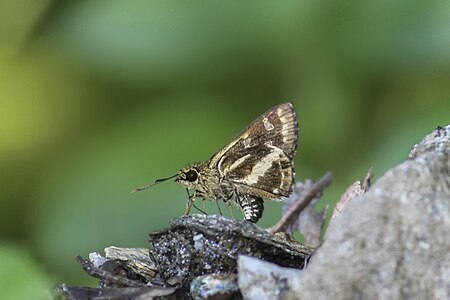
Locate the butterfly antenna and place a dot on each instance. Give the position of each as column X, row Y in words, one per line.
column 158, row 181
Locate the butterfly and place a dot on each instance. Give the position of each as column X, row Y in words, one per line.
column 258, row 164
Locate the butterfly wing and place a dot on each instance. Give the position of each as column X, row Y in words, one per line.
column 260, row 159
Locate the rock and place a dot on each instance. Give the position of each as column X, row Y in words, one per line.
column 438, row 141
column 215, row 286
column 260, row 280
column 392, row 242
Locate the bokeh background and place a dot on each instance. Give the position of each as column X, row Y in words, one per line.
column 98, row 97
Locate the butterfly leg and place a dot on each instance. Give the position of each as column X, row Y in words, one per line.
column 188, row 206
column 218, row 207
column 231, row 208
column 203, row 204
column 203, row 210
column 189, row 202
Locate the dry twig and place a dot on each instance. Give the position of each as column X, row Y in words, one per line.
column 301, row 203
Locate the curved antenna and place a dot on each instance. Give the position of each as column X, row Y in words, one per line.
column 158, row 181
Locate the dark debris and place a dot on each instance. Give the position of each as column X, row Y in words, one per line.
column 193, row 246
column 197, row 245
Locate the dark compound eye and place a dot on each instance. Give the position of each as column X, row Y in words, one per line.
column 191, row 175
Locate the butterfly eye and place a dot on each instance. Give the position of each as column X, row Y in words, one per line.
column 191, row 175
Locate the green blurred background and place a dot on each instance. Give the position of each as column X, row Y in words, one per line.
column 98, row 97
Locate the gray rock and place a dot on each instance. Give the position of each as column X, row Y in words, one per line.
column 261, row 280
column 215, row 286
column 438, row 140
column 394, row 241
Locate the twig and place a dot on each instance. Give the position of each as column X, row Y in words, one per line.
column 301, row 203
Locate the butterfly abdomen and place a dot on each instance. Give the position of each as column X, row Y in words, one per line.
column 252, row 207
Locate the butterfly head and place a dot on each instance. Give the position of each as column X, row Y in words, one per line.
column 187, row 177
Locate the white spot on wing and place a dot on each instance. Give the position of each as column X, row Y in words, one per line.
column 237, row 163
column 286, row 127
column 261, row 167
column 247, row 142
column 267, row 125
